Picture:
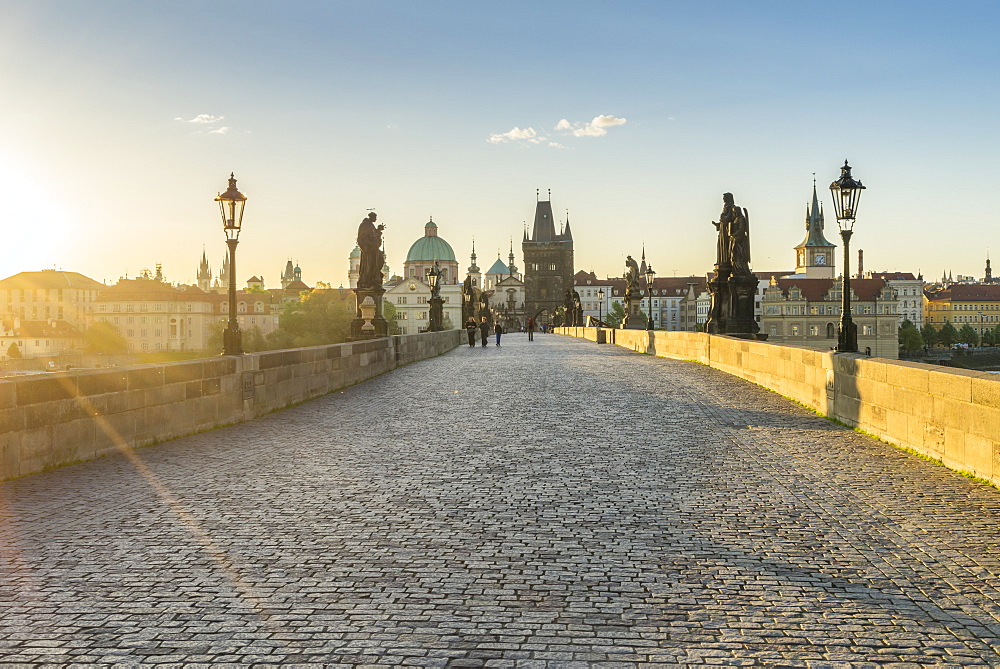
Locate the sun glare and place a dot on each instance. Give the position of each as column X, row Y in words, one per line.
column 36, row 226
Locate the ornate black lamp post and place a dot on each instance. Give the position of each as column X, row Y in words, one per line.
column 600, row 307
column 436, row 316
column 231, row 205
column 846, row 192
column 649, row 289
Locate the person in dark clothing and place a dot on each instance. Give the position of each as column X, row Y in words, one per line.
column 497, row 330
column 531, row 329
column 484, row 328
column 470, row 328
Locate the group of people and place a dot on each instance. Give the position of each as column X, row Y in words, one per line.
column 483, row 328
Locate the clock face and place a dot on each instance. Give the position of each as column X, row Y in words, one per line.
column 820, row 258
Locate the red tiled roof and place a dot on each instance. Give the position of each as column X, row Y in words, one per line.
column 46, row 329
column 50, row 278
column 817, row 290
column 962, row 292
column 894, row 276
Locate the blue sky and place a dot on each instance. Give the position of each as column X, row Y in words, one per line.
column 329, row 108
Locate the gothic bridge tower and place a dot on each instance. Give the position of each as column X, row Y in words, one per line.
column 548, row 263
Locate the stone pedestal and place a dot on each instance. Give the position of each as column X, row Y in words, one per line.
column 436, row 314
column 722, row 303
column 634, row 317
column 381, row 326
column 742, row 291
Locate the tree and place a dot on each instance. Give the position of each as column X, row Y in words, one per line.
column 253, row 340
column 216, row 339
column 909, row 337
column 615, row 315
column 968, row 335
column 255, row 288
column 988, row 338
column 321, row 316
column 102, row 337
column 996, row 336
column 947, row 335
column 929, row 334
column 446, row 323
column 389, row 314
column 13, row 352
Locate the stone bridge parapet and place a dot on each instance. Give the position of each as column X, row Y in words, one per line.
column 51, row 420
column 947, row 414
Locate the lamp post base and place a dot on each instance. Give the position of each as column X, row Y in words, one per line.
column 232, row 341
column 847, row 338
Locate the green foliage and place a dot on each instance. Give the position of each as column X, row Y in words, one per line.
column 279, row 339
column 907, row 323
column 948, row 335
column 909, row 337
column 255, row 289
column 104, row 337
column 215, row 341
column 989, row 338
column 389, row 314
column 968, row 335
column 446, row 323
column 13, row 352
column 929, row 334
column 615, row 315
column 253, row 340
column 319, row 317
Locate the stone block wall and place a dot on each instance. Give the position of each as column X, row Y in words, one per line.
column 51, row 420
column 949, row 414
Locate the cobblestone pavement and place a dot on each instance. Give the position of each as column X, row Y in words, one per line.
column 553, row 503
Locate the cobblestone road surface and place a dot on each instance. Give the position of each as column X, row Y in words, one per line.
column 554, row 503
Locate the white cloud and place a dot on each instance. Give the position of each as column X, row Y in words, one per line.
column 556, row 145
column 201, row 118
column 595, row 128
column 219, row 131
column 529, row 135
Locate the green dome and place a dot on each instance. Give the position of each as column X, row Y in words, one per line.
column 430, row 247
column 356, row 253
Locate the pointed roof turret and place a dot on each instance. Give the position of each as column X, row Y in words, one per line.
column 510, row 266
column 815, row 223
column 567, row 233
column 544, row 229
column 473, row 268
column 642, row 265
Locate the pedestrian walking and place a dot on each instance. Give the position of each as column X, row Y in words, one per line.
column 470, row 329
column 484, row 328
column 531, row 329
column 497, row 330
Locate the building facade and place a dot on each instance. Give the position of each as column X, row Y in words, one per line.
column 976, row 305
column 548, row 264
column 49, row 295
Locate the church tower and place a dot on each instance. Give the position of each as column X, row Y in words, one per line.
column 288, row 275
column 814, row 257
column 204, row 274
column 548, row 263
column 354, row 267
column 477, row 277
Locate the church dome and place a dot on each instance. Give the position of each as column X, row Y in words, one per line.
column 356, row 253
column 430, row 247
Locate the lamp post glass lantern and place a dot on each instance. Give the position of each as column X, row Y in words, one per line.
column 600, row 307
column 231, row 204
column 649, row 289
column 846, row 193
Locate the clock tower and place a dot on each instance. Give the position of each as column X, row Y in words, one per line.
column 815, row 256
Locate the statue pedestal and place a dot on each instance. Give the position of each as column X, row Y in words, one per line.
column 743, row 290
column 634, row 318
column 380, row 324
column 436, row 314
column 719, row 312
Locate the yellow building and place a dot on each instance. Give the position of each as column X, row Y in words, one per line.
column 973, row 304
